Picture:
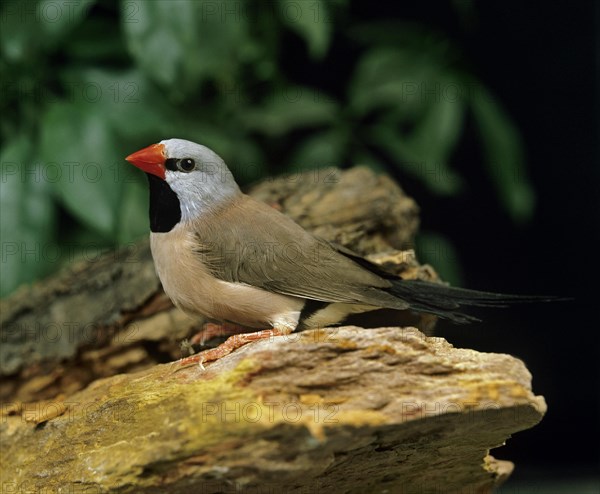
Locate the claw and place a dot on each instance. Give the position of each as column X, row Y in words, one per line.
column 232, row 343
column 211, row 330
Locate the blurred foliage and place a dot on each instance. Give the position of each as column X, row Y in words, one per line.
column 87, row 82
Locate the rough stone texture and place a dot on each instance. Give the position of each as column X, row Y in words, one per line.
column 344, row 410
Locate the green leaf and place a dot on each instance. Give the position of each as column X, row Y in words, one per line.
column 59, row 18
column 419, row 99
column 28, row 27
column 407, row 35
column 98, row 40
column 425, row 152
column 27, row 217
column 181, row 43
column 79, row 145
column 133, row 217
column 321, row 150
column 288, row 109
column 364, row 157
column 397, row 78
column 128, row 100
column 245, row 160
column 504, row 156
column 81, row 243
column 311, row 21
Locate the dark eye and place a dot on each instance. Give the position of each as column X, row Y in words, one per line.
column 186, row 165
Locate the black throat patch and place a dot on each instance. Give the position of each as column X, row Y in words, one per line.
column 165, row 210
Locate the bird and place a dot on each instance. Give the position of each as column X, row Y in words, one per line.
column 224, row 255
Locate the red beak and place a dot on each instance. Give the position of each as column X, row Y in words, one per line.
column 150, row 159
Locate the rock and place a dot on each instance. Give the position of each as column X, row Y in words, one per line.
column 345, row 410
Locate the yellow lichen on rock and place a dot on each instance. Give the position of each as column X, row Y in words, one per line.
column 345, row 409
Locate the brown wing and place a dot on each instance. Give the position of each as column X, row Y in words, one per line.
column 250, row 242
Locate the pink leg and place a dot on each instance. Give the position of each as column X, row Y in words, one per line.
column 232, row 343
column 211, row 330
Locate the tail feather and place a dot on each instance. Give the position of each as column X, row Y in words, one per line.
column 443, row 301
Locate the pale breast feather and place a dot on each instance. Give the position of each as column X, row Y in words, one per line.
column 193, row 288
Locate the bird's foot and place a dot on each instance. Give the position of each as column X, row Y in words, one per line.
column 211, row 330
column 232, row 343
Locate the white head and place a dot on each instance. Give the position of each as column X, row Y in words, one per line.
column 197, row 175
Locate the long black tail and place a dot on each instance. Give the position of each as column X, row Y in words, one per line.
column 444, row 301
